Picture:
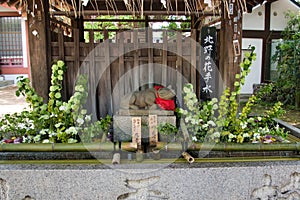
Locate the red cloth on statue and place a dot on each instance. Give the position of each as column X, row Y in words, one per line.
column 163, row 103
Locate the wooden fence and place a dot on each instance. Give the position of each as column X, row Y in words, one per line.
column 127, row 63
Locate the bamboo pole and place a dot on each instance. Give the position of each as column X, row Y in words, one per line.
column 26, row 147
column 232, row 147
column 126, row 146
column 188, row 157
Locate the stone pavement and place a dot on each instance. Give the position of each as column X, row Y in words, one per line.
column 9, row 102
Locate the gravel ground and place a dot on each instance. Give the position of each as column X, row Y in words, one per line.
column 9, row 102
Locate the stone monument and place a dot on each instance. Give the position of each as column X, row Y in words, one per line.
column 153, row 106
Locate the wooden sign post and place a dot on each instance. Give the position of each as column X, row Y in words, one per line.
column 230, row 41
column 137, row 132
column 153, row 134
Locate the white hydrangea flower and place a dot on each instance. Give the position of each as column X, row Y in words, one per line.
column 72, row 130
column 212, row 123
column 215, row 107
column 193, row 121
column 46, row 141
column 62, row 108
column 250, row 120
column 51, row 134
column 231, row 136
column 204, row 125
column 217, row 134
column 71, row 140
column 256, row 136
column 243, row 125
column 194, row 138
column 79, row 88
column 3, row 128
column 21, row 126
column 246, row 135
column 214, row 100
column 44, row 131
column 31, row 126
column 88, row 118
column 80, row 121
column 58, row 125
column 37, row 138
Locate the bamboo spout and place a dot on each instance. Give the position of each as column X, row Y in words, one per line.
column 188, row 157
column 116, row 158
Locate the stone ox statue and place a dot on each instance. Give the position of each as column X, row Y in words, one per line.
column 152, row 98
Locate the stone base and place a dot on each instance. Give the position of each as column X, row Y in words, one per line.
column 4, row 83
column 122, row 112
column 222, row 181
column 123, row 130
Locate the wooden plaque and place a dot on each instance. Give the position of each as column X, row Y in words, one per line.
column 153, row 133
column 137, row 131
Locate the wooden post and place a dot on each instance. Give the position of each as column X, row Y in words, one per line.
column 137, row 132
column 164, row 58
column 38, row 24
column 230, row 42
column 153, row 134
column 78, row 24
column 150, row 58
column 179, row 78
column 108, row 72
column 193, row 57
column 136, row 70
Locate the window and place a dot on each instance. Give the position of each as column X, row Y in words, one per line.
column 10, row 37
column 10, row 41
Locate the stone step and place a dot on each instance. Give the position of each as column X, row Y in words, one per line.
column 4, row 83
column 244, row 97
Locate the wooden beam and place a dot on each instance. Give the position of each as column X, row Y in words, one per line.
column 38, row 46
column 137, row 13
column 10, row 14
column 136, row 20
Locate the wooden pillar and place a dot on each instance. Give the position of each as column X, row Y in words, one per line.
column 196, row 25
column 266, row 51
column 230, row 42
column 78, row 24
column 38, row 24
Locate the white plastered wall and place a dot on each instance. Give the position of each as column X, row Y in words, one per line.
column 254, row 20
column 255, row 73
column 278, row 9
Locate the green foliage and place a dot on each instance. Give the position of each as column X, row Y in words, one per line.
column 167, row 129
column 287, row 57
column 106, row 26
column 176, row 26
column 55, row 121
column 97, row 130
column 221, row 122
column 198, row 117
